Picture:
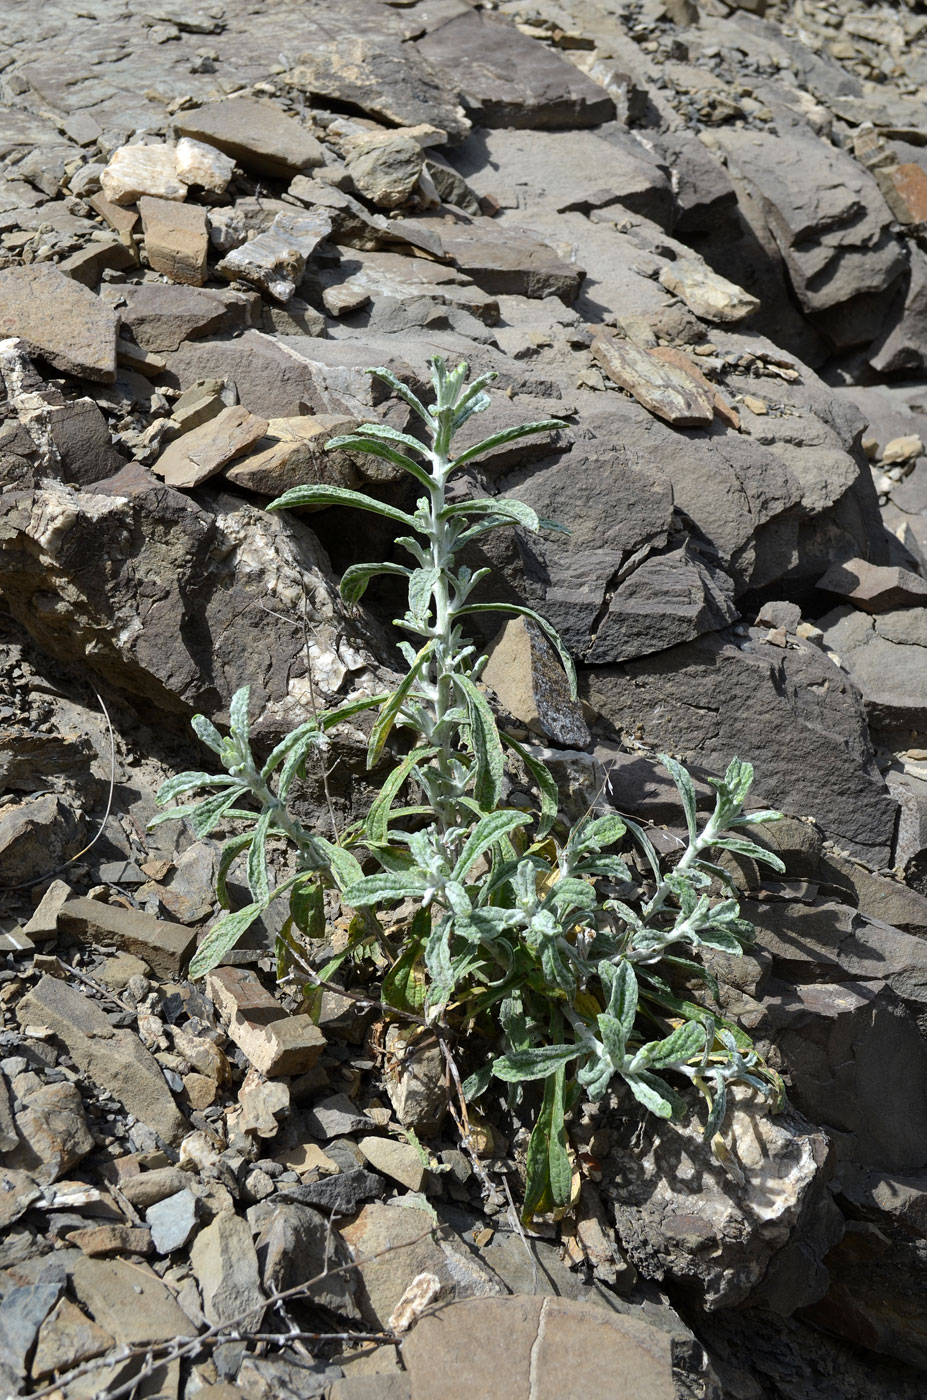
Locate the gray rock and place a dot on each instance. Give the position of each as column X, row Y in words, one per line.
column 53, row 1131
column 37, row 835
column 341, row 1194
column 716, row 697
column 902, row 346
column 507, row 260
column 128, row 1299
column 667, row 599
column 884, row 656
column 688, row 1221
column 224, row 1261
column 256, row 134
column 165, row 947
column 875, row 589
column 385, row 169
column 836, row 1039
column 22, row 1312
column 828, row 218
column 508, row 80
column 172, row 1221
column 532, row 686
column 385, row 78
column 162, row 317
column 275, row 260
column 296, row 1244
column 336, row 1116
column 59, row 321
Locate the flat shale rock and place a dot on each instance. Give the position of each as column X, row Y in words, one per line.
column 532, row 686
column 507, row 260
column 165, row 947
column 276, row 260
column 163, row 317
column 532, row 1348
column 506, row 79
column 203, row 452
column 128, row 1300
column 716, row 697
column 707, row 293
column 875, row 589
column 385, row 78
column 885, row 657
column 256, row 134
column 292, row 453
column 59, row 321
column 662, row 388
column 66, row 1338
column 226, row 1268
column 115, row 1059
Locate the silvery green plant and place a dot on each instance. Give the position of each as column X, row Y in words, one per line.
column 531, row 945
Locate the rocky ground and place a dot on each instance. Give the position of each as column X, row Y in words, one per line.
column 696, row 234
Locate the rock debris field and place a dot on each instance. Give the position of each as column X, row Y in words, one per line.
column 695, row 232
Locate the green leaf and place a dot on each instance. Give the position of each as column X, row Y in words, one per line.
column 404, row 392
column 210, row 813
column 345, row 867
column 307, row 908
column 258, row 882
column 550, row 632
column 355, row 579
column 613, row 1037
column 500, row 506
column 390, row 711
column 545, row 425
column 620, row 985
column 740, row 846
column 653, row 1094
column 561, row 1171
column 223, row 936
column 371, row 889
column 486, row 833
column 356, row 442
column 477, row 1083
column 230, row 852
column 238, row 715
column 686, row 788
column 404, row 985
column 542, row 776
column 205, row 730
column 643, row 840
column 487, row 747
column 376, row 825
column 684, row 1042
column 604, row 831
column 290, row 741
column 536, row 1063
column 316, row 494
column 421, row 586
column 184, row 782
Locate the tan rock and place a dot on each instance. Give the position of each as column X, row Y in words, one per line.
column 293, row 453
column 134, row 171
column 176, row 239
column 667, row 392
column 101, row 1240
column 129, row 1300
column 202, row 453
column 165, row 947
column 274, row 1042
column 200, row 1090
column 902, row 449
column 121, row 221
column 66, row 1338
column 399, row 1160
column 709, row 295
column 672, row 356
column 521, row 1348
column 147, row 1188
column 203, row 165
column 530, row 682
column 256, row 134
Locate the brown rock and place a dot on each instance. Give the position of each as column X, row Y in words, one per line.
column 147, row 1188
column 521, row 1348
column 203, row 453
column 59, row 320
column 88, row 263
column 910, row 182
column 166, row 948
column 875, row 588
column 176, row 239
column 256, row 134
column 129, row 1300
column 666, row 391
column 121, row 221
column 66, row 1338
column 526, row 675
column 115, row 1059
column 274, row 1042
column 53, row 1132
column 293, row 453
column 671, row 356
column 101, row 1240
